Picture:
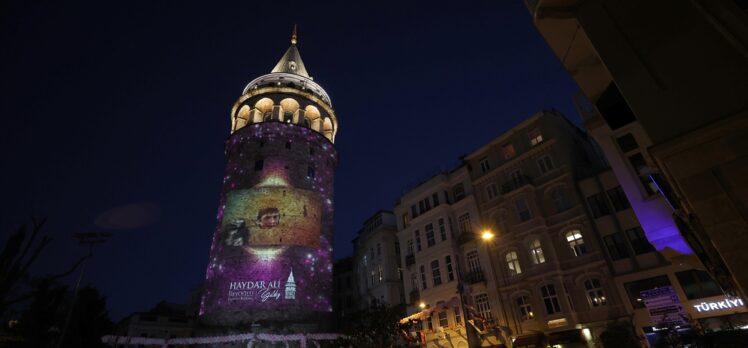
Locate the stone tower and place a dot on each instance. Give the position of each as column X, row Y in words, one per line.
column 276, row 208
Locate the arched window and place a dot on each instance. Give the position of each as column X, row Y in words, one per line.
column 525, row 308
column 512, row 262
column 536, row 252
column 560, row 202
column 576, row 243
column 595, row 293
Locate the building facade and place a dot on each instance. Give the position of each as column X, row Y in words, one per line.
column 666, row 84
column 271, row 259
column 376, row 262
column 345, row 291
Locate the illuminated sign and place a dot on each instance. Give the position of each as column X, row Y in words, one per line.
column 557, row 323
column 727, row 303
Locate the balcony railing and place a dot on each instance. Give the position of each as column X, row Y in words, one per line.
column 410, row 259
column 515, row 183
column 414, row 296
column 476, row 276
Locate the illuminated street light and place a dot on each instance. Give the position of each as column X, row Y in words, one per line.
column 422, row 305
column 487, row 235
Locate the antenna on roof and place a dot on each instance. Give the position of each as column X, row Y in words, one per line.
column 294, row 38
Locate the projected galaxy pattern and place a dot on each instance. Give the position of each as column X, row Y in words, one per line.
column 271, row 256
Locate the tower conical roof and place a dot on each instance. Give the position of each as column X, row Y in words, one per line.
column 291, row 62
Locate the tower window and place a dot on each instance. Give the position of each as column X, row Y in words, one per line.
column 288, row 144
column 310, row 172
column 259, row 164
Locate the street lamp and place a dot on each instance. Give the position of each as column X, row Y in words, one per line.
column 488, row 236
column 422, row 305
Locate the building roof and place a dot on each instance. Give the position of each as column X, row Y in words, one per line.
column 291, row 62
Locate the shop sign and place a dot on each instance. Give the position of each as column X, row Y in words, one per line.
column 664, row 306
column 726, row 303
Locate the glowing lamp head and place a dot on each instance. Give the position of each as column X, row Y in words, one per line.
column 487, row 235
column 422, row 305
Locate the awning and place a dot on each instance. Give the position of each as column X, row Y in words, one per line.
column 529, row 341
column 565, row 337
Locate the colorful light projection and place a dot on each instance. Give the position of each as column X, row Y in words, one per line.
column 271, row 253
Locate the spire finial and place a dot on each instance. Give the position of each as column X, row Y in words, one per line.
column 294, row 38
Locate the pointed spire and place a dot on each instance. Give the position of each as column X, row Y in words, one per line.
column 291, row 62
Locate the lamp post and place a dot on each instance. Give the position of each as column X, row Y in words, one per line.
column 90, row 239
column 488, row 236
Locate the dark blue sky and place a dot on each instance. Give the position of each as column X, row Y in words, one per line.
column 104, row 107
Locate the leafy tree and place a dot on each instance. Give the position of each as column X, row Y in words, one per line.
column 89, row 321
column 619, row 334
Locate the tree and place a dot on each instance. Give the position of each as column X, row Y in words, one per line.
column 18, row 255
column 619, row 334
column 90, row 320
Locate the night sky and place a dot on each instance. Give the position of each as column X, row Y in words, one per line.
column 113, row 117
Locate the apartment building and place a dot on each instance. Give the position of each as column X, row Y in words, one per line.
column 376, row 262
column 437, row 224
column 666, row 83
column 345, row 291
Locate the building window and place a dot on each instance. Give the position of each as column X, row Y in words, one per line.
column 413, row 211
column 310, row 172
column 380, row 273
column 379, row 249
column 536, row 252
column 525, row 308
column 423, row 277
column 492, row 190
column 598, row 206
column 405, row 220
column 595, row 293
column 618, row 198
column 642, row 170
column 627, row 143
column 535, row 137
column 634, row 289
column 436, row 273
column 450, row 271
column 512, row 262
column 430, row 240
column 697, row 284
column 517, row 178
column 484, row 166
column 483, row 307
column 409, row 247
column 414, row 281
column 259, row 164
column 418, row 240
column 639, row 241
column 464, row 222
column 458, row 316
column 442, row 229
column 616, row 246
column 443, row 322
column 507, row 150
column 545, row 164
column 550, row 299
column 576, row 243
column 523, row 211
column 458, row 191
column 435, row 198
column 560, row 202
column 473, row 262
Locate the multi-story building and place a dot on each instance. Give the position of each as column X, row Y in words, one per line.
column 438, row 222
column 638, row 267
column 551, row 270
column 165, row 320
column 376, row 262
column 667, row 82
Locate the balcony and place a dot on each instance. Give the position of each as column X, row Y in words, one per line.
column 410, row 260
column 515, row 183
column 473, row 277
column 414, row 296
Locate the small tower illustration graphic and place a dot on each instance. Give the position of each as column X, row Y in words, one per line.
column 290, row 287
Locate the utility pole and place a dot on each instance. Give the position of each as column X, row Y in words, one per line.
column 90, row 239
